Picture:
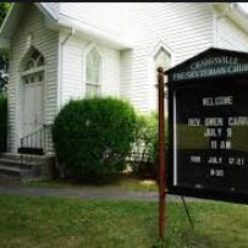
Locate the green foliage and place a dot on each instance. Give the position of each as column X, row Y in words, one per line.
column 145, row 147
column 4, row 7
column 3, row 122
column 143, row 157
column 92, row 137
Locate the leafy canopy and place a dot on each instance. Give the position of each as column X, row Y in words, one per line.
column 4, row 7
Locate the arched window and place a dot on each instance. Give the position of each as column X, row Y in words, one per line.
column 32, row 66
column 29, row 65
column 33, row 60
column 162, row 58
column 93, row 72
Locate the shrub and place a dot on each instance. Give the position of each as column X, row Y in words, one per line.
column 92, row 137
column 3, row 122
column 145, row 147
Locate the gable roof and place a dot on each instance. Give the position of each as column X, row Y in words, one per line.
column 56, row 22
column 51, row 13
column 12, row 18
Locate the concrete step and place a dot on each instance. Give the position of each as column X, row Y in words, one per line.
column 26, row 167
column 21, row 157
column 20, row 164
column 14, row 172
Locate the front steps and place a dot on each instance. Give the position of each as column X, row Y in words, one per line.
column 21, row 168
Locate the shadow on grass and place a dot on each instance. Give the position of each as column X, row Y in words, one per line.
column 122, row 182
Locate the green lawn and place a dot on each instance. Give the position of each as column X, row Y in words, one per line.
column 47, row 222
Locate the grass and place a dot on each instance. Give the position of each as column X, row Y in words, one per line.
column 123, row 183
column 46, row 222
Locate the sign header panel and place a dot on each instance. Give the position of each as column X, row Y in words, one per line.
column 210, row 64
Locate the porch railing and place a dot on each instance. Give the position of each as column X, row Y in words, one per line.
column 38, row 142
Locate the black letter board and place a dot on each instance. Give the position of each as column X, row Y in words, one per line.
column 208, row 126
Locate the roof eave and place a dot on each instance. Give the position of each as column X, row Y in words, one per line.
column 46, row 11
column 235, row 13
column 243, row 21
column 61, row 23
column 6, row 32
column 90, row 32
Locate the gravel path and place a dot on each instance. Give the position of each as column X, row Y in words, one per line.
column 89, row 194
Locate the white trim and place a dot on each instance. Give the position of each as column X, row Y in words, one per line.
column 154, row 51
column 46, row 11
column 234, row 13
column 33, row 70
column 93, row 33
column 60, row 82
column 150, row 69
column 214, row 27
column 24, row 57
column 45, row 77
column 99, row 60
column 59, row 74
column 18, row 110
column 162, row 44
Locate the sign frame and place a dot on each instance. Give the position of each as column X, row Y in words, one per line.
column 173, row 86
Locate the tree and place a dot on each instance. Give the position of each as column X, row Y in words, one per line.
column 4, row 7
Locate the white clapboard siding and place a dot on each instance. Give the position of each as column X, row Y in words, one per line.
column 46, row 42
column 73, row 77
column 104, row 16
column 72, row 66
column 230, row 36
column 185, row 28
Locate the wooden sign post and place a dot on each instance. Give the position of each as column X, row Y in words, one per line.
column 162, row 167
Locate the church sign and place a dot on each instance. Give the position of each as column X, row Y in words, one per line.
column 208, row 126
column 212, row 67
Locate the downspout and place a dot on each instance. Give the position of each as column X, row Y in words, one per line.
column 61, row 63
column 220, row 16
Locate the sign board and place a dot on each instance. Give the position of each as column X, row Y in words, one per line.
column 208, row 126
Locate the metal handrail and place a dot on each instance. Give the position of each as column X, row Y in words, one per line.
column 36, row 140
column 33, row 133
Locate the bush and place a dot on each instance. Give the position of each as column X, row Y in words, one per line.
column 3, row 122
column 145, row 147
column 92, row 137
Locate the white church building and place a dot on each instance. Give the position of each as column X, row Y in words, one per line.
column 63, row 51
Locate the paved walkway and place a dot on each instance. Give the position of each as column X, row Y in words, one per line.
column 86, row 193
